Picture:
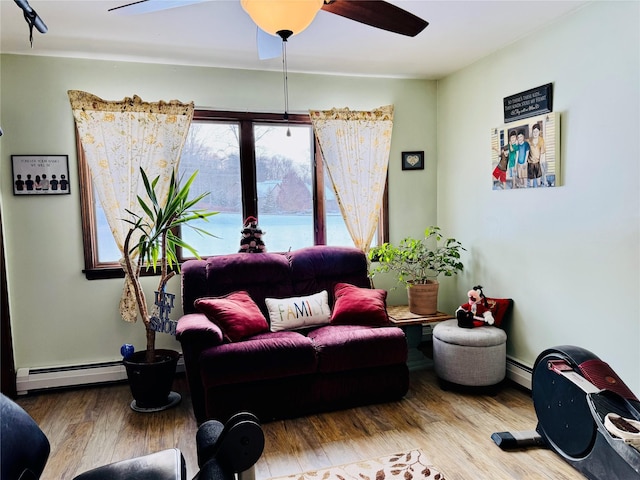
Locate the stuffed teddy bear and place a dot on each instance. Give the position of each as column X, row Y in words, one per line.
column 476, row 312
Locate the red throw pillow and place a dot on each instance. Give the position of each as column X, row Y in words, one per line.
column 236, row 314
column 499, row 307
column 359, row 306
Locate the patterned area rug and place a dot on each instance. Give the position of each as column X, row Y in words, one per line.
column 411, row 465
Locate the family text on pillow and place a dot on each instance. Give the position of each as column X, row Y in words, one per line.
column 298, row 312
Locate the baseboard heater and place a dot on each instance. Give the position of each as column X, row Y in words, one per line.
column 519, row 373
column 35, row 379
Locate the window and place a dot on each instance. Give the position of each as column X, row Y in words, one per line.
column 252, row 165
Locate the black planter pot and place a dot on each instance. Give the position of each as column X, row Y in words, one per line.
column 151, row 383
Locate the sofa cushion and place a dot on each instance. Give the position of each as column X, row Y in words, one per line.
column 298, row 312
column 347, row 347
column 236, row 314
column 321, row 267
column 262, row 357
column 261, row 275
column 359, row 306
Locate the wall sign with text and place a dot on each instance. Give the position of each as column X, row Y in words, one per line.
column 528, row 104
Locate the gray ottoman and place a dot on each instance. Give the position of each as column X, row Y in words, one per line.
column 471, row 357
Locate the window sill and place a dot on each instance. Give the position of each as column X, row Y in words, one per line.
column 116, row 272
column 103, row 273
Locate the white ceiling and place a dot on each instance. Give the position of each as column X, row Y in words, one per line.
column 219, row 33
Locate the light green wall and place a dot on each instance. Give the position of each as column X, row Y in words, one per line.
column 60, row 318
column 569, row 256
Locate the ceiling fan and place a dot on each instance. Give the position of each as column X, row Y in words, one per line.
column 375, row 13
column 277, row 20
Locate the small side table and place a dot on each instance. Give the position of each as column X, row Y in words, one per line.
column 412, row 323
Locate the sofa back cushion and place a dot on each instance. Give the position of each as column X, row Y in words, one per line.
column 321, row 267
column 301, row 272
column 260, row 274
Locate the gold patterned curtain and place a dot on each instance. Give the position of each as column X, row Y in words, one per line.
column 355, row 148
column 119, row 137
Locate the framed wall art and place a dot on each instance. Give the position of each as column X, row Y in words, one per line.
column 526, row 153
column 40, row 174
column 412, row 160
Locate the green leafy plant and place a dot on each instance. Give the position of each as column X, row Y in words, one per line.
column 419, row 261
column 157, row 242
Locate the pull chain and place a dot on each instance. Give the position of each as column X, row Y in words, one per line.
column 286, row 83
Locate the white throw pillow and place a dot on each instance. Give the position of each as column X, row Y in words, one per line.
column 298, row 312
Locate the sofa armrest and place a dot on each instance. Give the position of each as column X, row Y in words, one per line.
column 197, row 333
column 197, row 327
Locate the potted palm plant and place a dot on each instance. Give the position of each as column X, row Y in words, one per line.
column 151, row 371
column 417, row 263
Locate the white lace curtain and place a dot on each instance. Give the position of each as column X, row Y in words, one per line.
column 355, row 148
column 119, row 137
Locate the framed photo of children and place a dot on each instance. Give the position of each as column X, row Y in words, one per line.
column 526, row 153
column 40, row 174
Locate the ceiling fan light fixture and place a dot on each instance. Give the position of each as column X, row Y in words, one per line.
column 274, row 16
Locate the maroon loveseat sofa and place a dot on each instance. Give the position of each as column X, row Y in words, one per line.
column 286, row 373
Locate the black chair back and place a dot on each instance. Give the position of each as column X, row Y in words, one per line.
column 24, row 447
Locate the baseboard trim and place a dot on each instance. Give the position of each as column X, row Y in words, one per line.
column 519, row 372
column 44, row 378
column 35, row 379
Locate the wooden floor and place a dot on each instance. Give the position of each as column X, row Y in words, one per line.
column 90, row 427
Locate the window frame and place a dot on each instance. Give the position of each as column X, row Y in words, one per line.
column 93, row 269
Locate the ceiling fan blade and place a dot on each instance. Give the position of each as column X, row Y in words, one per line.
column 379, row 14
column 269, row 46
column 147, row 6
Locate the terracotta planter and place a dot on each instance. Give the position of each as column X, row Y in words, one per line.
column 151, row 383
column 423, row 298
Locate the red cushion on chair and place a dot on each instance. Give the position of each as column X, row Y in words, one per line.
column 359, row 306
column 236, row 314
column 499, row 307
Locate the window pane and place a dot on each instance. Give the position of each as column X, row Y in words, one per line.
column 108, row 251
column 213, row 149
column 284, row 172
column 337, row 233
